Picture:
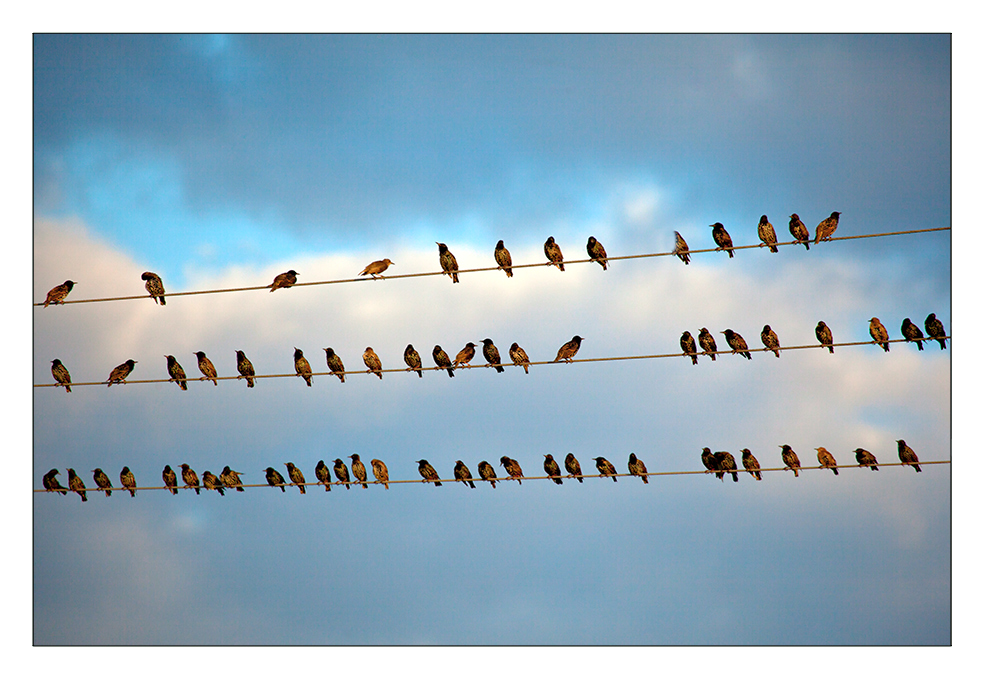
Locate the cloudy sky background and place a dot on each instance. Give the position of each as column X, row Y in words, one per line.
column 222, row 161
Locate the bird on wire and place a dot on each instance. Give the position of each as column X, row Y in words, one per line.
column 552, row 251
column 726, row 463
column 767, row 234
column 710, row 462
column 448, row 263
column 825, row 336
column 519, row 357
column 569, row 349
column 791, row 459
column 907, row 455
column 605, row 468
column 428, row 472
column 552, row 469
column 770, row 340
column 230, row 479
column 596, row 251
column 61, row 375
column 341, row 472
column 58, row 293
column 751, row 464
column 376, row 268
column 170, row 479
column 935, row 330
column 323, row 474
column 638, row 468
column 487, row 472
column 212, row 482
column 442, row 360
column 689, row 345
column 680, row 248
column 51, row 484
column 462, row 474
column 273, row 478
column 245, row 368
column 206, row 368
column 380, row 472
column 335, row 364
column 76, row 485
column 707, row 343
column 102, row 481
column 359, row 469
column 128, row 481
column 296, row 476
column 737, row 343
column 190, row 478
column 176, row 372
column 826, row 228
column 799, row 231
column 866, row 459
column 503, row 259
column 491, row 354
column 301, row 366
column 573, row 467
column 512, row 468
column 826, row 460
column 372, row 362
column 121, row 372
column 412, row 359
column 284, row 280
column 878, row 332
column 155, row 286
column 912, row 333
column 465, row 355
column 722, row 238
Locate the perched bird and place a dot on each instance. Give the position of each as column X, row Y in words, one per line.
column 770, row 340
column 912, row 333
column 99, row 476
column 503, row 259
column 689, row 345
column 638, row 468
column 170, row 479
column 726, row 463
column 230, row 479
column 907, row 455
column 826, row 228
column 358, row 469
column 245, row 368
column 596, row 251
column 335, row 364
column 58, row 293
column 120, row 372
column 519, row 357
column 722, row 238
column 826, row 460
column 376, row 267
column 341, row 472
column 552, row 251
column 442, row 360
column 866, row 459
column 767, row 234
column 935, row 330
column 206, row 368
column 284, row 280
column 791, row 459
column 487, row 472
column 448, row 263
column 212, row 482
column 75, row 484
column 323, row 474
column 798, row 230
column 492, row 355
column 380, row 471
column 605, row 468
column 51, row 484
column 569, row 349
column 512, row 467
column 825, row 336
column 552, row 468
column 750, row 464
column 680, row 248
column 462, row 473
column 412, row 359
column 465, row 355
column 301, row 366
column 707, row 343
column 428, row 472
column 128, row 481
column 155, row 286
column 296, row 476
column 273, row 478
column 573, row 467
column 372, row 362
column 189, row 477
column 176, row 372
column 737, row 343
column 878, row 332
column 60, row 373
column 710, row 462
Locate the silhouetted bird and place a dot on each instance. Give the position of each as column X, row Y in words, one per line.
column 296, row 476
column 750, row 464
column 341, row 472
column 638, row 468
column 503, row 259
column 176, row 372
column 60, row 373
column 412, row 359
column 907, row 455
column 284, row 280
column 912, row 333
column 376, row 268
column 826, row 228
column 442, row 360
column 58, row 293
column 428, row 472
column 605, row 468
column 323, row 474
column 170, row 479
column 737, row 343
column 190, row 478
column 206, row 368
column 826, row 460
column 935, row 330
column 301, row 366
column 689, row 345
column 596, row 251
column 245, row 368
column 707, row 343
column 335, row 364
column 878, row 332
column 358, row 469
column 512, row 468
column 791, row 459
column 380, row 472
column 372, row 362
column 230, row 479
column 212, row 482
column 448, row 263
column 99, row 476
column 492, row 355
column 573, row 467
column 722, row 238
column 799, row 231
column 552, row 468
column 128, row 481
column 487, row 472
column 155, row 286
column 770, row 340
column 465, row 355
column 519, row 357
column 710, row 462
column 825, row 336
column 569, row 350
column 75, row 484
column 51, row 483
column 273, row 478
column 680, row 248
column 726, row 463
column 767, row 234
column 552, row 251
column 866, row 459
column 462, row 473
column 121, row 372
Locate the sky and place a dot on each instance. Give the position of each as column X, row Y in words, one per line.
column 221, row 161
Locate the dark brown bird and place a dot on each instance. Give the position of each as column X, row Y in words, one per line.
column 442, row 360
column 722, row 238
column 799, row 231
column 155, row 286
column 826, row 228
column 487, row 472
column 189, row 477
column 878, row 332
column 770, row 340
column 448, row 263
column 170, row 479
column 569, row 350
column 75, row 484
column 121, row 372
column 335, row 364
column 102, row 481
column 737, row 343
column 519, row 357
column 791, row 459
column 301, row 366
column 866, row 459
column 638, row 468
column 689, row 345
column 552, row 468
column 605, row 468
column 907, row 455
column 767, row 234
column 710, row 462
column 376, row 268
column 503, row 259
column 380, row 471
column 206, row 368
column 750, row 464
column 825, row 336
column 372, row 362
column 245, row 368
column 512, row 468
column 359, row 469
column 323, row 474
column 296, row 476
column 60, row 373
column 284, row 280
column 465, row 355
column 680, row 249
column 58, row 293
column 50, row 483
column 707, row 343
column 726, row 463
column 573, row 467
column 412, row 359
column 552, row 251
column 212, row 482
column 128, row 482
column 935, row 330
column 428, row 472
column 596, row 251
column 912, row 333
column 176, row 372
column 273, row 478
column 826, row 460
column 462, row 473
column 230, row 479
column 341, row 472
column 492, row 355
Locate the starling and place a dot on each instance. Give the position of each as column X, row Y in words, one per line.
column 487, row 472
column 492, row 356
column 212, row 482
column 465, row 355
column 120, row 372
column 825, row 336
column 380, row 471
column 503, row 259
column 573, row 467
column 680, row 249
column 750, row 464
column 99, row 476
column 176, row 372
column 637, row 467
column 934, row 330
column 296, row 476
column 912, row 333
column 128, row 481
column 512, row 467
column 230, row 479
column 710, row 462
column 376, row 267
column 284, row 280
column 273, row 478
column 770, row 340
column 552, row 251
column 726, row 463
column 878, row 332
column 826, row 228
column 412, row 359
column 519, row 357
column 605, row 468
column 335, row 364
column 866, row 459
column 791, row 459
column 51, row 484
column 358, row 469
column 323, row 475
column 372, row 362
column 448, row 263
column 206, row 368
column 154, row 286
column 722, row 238
column 596, row 251
column 189, row 477
column 707, row 343
column 767, row 234
column 60, row 373
column 568, row 350
column 462, row 473
column 737, row 343
column 428, row 472
column 799, row 231
column 58, row 293
column 907, row 455
column 341, row 472
column 75, row 484
column 245, row 368
column 170, row 479
column 302, row 366
column 689, row 346
column 442, row 360
column 552, row 468
column 826, row 460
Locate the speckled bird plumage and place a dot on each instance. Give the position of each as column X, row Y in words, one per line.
column 767, row 234
column 428, row 472
column 380, row 472
column 412, row 359
column 638, row 468
column 76, row 485
column 912, row 333
column 826, row 228
column 935, row 330
column 341, row 472
column 230, row 479
column 512, row 468
column 552, row 469
column 273, row 478
column 689, row 345
column 335, row 364
column 825, row 336
column 462, row 474
column 449, row 265
column 596, row 251
column 359, row 469
column 441, row 359
column 680, row 248
column 722, row 238
column 102, row 481
column 790, row 459
column 190, row 478
column 491, row 354
column 826, row 460
column 726, row 463
column 503, row 259
column 605, row 468
column 372, row 362
column 751, row 464
column 569, row 350
column 465, row 355
column 710, row 462
column 323, row 474
column 176, row 372
column 301, row 366
column 61, row 375
column 128, row 481
column 866, row 459
column 212, row 482
column 245, row 368
column 155, row 286
column 737, row 343
column 770, row 340
column 519, row 357
column 553, row 253
column 573, row 467
column 798, row 230
column 51, row 484
column 206, row 368
column 284, row 280
column 58, row 293
column 878, row 333
column 170, row 479
column 296, row 476
column 119, row 374
column 487, row 472
column 907, row 455
column 707, row 343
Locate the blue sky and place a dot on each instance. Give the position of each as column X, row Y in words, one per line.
column 222, row 161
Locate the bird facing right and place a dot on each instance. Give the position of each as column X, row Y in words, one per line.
column 487, row 472
column 119, row 374
column 376, row 268
column 826, row 228
column 569, row 349
column 284, row 280
column 726, row 463
column 58, row 293
column 50, row 483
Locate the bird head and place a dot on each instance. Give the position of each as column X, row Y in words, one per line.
column 763, row 219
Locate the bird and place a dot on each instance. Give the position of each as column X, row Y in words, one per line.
column 934, row 330
column 61, row 375
column 428, row 472
column 465, row 355
column 273, row 478
column 573, row 467
column 596, row 251
column 120, row 372
column 76, row 485
column 462, row 473
column 245, row 368
column 680, row 248
column 552, row 468
column 176, row 372
column 190, row 478
column 51, row 484
column 170, row 479
column 799, row 231
column 487, row 472
column 230, row 479
column 284, row 280
column 726, row 463
column 707, row 343
column 512, row 467
column 128, row 481
column 155, row 286
column 206, row 368
column 341, row 472
column 878, row 332
column 380, row 472
column 296, row 476
column 552, row 251
column 826, row 460
column 358, row 469
column 737, row 343
column 301, row 366
column 503, row 259
column 448, row 263
column 58, row 293
column 412, row 359
column 912, row 333
column 710, row 462
column 519, row 357
column 442, row 360
column 569, row 349
column 750, row 464
column 323, row 474
column 770, row 340
column 638, row 468
column 102, row 481
column 866, row 459
column 212, row 482
column 767, row 234
column 605, row 468
column 377, row 267
column 825, row 336
column 335, row 364
column 907, row 455
column 722, row 238
column 689, row 345
column 826, row 228
column 791, row 459
column 372, row 362
column 492, row 355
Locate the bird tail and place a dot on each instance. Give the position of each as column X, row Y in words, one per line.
column 734, row 476
column 831, row 349
column 731, row 253
column 68, row 389
column 420, row 373
column 302, row 489
column 133, row 493
column 807, row 244
column 221, row 491
column 174, row 491
column 471, row 483
column 437, row 483
column 834, row 470
column 917, row 467
column 874, row 468
column 198, row 491
column 776, row 352
column 162, row 300
column 108, row 493
column 183, row 385
column 580, row 479
column 713, row 357
column 84, row 498
column 240, row 489
column 327, row 486
column 499, row 369
column 365, row 485
column 308, row 380
column 773, row 248
column 379, row 375
column 249, row 382
column 560, row 265
column 526, row 367
column 796, row 472
column 644, row 479
column 693, row 357
column 942, row 343
column 508, row 273
column 493, row 483
column 454, row 277
column 758, row 475
column 747, row 355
